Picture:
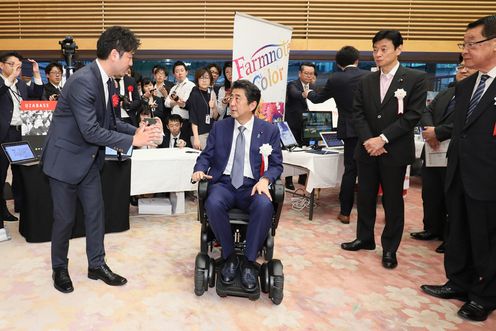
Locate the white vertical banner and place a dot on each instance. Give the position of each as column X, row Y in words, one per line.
column 261, row 55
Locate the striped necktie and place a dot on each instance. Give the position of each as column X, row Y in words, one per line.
column 477, row 96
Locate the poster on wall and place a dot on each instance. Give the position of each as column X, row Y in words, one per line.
column 36, row 117
column 261, row 55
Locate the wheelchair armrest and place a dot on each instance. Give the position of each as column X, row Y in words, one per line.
column 277, row 191
column 202, row 189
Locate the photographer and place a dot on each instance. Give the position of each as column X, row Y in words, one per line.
column 180, row 92
column 53, row 88
column 151, row 99
column 225, row 92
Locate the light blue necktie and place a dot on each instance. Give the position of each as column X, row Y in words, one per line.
column 239, row 160
column 477, row 96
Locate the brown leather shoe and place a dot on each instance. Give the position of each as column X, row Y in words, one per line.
column 344, row 219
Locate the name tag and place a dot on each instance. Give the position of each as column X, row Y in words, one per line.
column 207, row 119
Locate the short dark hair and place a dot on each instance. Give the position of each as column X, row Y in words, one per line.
column 51, row 65
column 214, row 65
column 144, row 109
column 116, row 37
column 308, row 64
column 6, row 55
column 160, row 68
column 227, row 83
column 178, row 64
column 347, row 56
column 145, row 81
column 393, row 35
column 175, row 118
column 488, row 25
column 200, row 73
column 251, row 90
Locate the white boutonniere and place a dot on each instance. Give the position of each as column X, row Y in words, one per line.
column 400, row 94
column 265, row 150
column 495, row 101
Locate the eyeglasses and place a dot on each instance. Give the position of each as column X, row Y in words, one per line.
column 56, row 73
column 12, row 64
column 472, row 44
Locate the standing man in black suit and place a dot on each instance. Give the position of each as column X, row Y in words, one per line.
column 387, row 106
column 53, row 73
column 437, row 122
column 470, row 258
column 83, row 123
column 296, row 105
column 130, row 99
column 341, row 86
column 12, row 91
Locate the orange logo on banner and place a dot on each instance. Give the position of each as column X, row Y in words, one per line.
column 38, row 105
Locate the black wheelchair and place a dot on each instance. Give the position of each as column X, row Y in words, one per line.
column 207, row 268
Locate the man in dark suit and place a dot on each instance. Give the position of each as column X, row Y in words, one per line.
column 233, row 158
column 387, row 106
column 437, row 122
column 341, row 86
column 175, row 136
column 470, row 258
column 53, row 73
column 12, row 91
column 84, row 123
column 296, row 105
column 130, row 99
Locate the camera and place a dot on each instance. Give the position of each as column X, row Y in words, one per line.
column 174, row 96
column 68, row 47
column 150, row 120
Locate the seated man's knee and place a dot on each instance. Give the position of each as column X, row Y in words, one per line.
column 262, row 202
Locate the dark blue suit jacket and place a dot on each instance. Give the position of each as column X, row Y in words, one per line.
column 6, row 105
column 216, row 153
column 82, row 125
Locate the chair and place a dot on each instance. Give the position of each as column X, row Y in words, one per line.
column 270, row 272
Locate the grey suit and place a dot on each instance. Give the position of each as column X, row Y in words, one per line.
column 82, row 125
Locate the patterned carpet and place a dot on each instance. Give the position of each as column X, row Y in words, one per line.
column 326, row 288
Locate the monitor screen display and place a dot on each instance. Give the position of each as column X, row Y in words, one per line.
column 287, row 137
column 314, row 123
column 19, row 152
column 331, row 139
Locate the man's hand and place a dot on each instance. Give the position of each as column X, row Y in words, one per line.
column 262, row 187
column 181, row 103
column 199, row 175
column 196, row 143
column 305, row 93
column 146, row 136
column 36, row 68
column 163, row 90
column 374, row 146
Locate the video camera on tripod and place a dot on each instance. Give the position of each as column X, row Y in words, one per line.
column 68, row 47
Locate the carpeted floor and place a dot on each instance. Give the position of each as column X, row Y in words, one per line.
column 326, row 288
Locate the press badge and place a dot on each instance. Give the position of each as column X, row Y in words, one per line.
column 207, row 119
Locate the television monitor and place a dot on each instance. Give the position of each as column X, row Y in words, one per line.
column 287, row 138
column 314, row 123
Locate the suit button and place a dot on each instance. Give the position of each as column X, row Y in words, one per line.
column 463, row 136
column 93, row 155
column 379, row 116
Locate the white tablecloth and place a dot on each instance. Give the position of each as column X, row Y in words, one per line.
column 162, row 170
column 324, row 171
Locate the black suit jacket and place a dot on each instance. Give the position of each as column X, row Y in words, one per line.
column 435, row 114
column 184, row 136
column 7, row 106
column 296, row 104
column 135, row 102
column 372, row 118
column 472, row 149
column 341, row 86
column 49, row 90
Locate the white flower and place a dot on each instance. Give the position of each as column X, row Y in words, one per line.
column 266, row 150
column 495, row 101
column 400, row 93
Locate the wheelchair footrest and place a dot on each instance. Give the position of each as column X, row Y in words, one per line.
column 235, row 289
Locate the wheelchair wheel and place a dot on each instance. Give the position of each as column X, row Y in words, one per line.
column 211, row 273
column 202, row 269
column 268, row 249
column 264, row 278
column 276, row 281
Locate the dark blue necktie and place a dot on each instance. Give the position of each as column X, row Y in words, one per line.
column 239, row 160
column 449, row 109
column 110, row 104
column 477, row 96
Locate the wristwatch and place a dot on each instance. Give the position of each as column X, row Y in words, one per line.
column 383, row 137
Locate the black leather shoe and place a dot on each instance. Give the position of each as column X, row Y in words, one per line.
column 62, row 280
column 133, row 200
column 389, row 260
column 444, row 292
column 357, row 245
column 474, row 312
column 424, row 235
column 249, row 276
column 290, row 186
column 104, row 273
column 441, row 248
column 229, row 269
column 10, row 218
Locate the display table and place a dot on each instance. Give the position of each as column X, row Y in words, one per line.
column 36, row 215
column 164, row 170
column 324, row 170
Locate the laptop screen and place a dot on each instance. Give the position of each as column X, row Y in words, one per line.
column 331, row 140
column 287, row 138
column 19, row 152
column 112, row 152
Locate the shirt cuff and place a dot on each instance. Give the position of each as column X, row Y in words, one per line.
column 37, row 81
column 8, row 83
column 383, row 137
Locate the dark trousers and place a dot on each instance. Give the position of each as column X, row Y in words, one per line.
column 64, row 196
column 348, row 181
column 434, row 201
column 12, row 135
column 470, row 258
column 222, row 197
column 391, row 179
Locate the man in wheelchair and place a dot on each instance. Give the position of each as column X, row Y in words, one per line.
column 241, row 159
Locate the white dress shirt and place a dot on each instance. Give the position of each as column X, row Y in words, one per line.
column 183, row 91
column 248, row 132
column 491, row 73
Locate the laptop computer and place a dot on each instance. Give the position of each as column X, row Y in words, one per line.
column 111, row 154
column 20, row 153
column 287, row 138
column 331, row 140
